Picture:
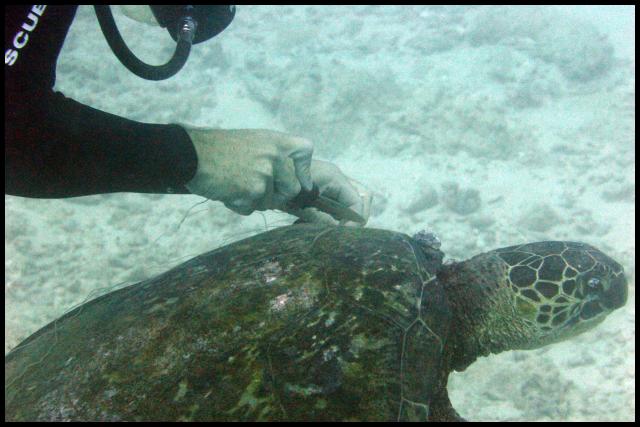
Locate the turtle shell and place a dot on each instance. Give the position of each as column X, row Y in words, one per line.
column 300, row 323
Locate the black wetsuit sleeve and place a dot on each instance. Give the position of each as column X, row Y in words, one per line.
column 57, row 147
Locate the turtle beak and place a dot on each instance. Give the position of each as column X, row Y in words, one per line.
column 616, row 295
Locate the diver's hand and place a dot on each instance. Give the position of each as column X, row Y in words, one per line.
column 252, row 170
column 249, row 169
column 334, row 185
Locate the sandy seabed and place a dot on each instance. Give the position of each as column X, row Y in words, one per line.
column 489, row 126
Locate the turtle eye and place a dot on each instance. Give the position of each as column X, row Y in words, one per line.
column 594, row 287
column 594, row 283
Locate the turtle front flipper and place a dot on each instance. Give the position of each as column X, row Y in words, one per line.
column 441, row 410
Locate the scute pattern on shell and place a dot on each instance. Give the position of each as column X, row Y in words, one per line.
column 299, row 323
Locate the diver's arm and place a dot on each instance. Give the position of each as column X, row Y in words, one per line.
column 57, row 147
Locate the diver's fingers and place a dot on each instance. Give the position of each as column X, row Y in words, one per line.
column 286, row 185
column 313, row 215
column 366, row 198
column 351, row 194
column 301, row 153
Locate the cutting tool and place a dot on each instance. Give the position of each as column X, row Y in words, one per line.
column 313, row 198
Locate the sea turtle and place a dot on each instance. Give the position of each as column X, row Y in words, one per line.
column 306, row 323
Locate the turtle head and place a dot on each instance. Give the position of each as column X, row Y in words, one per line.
column 529, row 296
column 561, row 289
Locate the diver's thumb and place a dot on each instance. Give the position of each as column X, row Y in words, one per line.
column 302, row 164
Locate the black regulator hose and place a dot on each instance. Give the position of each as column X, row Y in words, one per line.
column 129, row 60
